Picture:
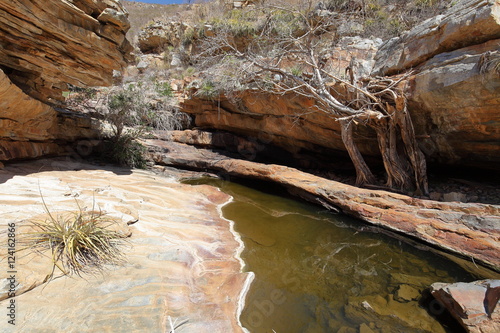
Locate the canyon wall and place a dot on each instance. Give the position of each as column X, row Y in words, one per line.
column 45, row 45
column 452, row 94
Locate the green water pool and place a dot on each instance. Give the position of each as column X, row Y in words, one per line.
column 316, row 271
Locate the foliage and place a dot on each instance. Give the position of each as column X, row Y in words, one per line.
column 78, row 97
column 237, row 22
column 128, row 111
column 126, row 151
column 164, row 89
column 143, row 105
column 207, row 90
column 426, row 3
column 79, row 242
column 283, row 23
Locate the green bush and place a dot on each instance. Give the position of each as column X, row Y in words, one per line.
column 125, row 151
column 164, row 89
column 207, row 90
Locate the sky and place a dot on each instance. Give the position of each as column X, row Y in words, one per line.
column 162, row 2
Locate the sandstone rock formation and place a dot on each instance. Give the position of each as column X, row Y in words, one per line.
column 452, row 95
column 30, row 128
column 474, row 305
column 159, row 36
column 43, row 47
column 446, row 225
column 468, row 22
column 454, row 99
column 48, row 44
column 181, row 261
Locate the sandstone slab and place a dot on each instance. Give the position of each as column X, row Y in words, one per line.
column 445, row 225
column 48, row 44
column 182, row 260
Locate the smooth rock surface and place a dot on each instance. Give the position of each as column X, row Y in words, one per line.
column 466, row 23
column 182, row 260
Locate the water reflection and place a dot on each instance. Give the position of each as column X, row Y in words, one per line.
column 319, row 272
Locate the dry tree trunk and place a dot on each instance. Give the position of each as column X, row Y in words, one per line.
column 415, row 155
column 403, row 160
column 363, row 172
column 397, row 174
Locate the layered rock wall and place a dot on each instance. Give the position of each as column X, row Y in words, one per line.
column 454, row 99
column 452, row 94
column 468, row 22
column 44, row 45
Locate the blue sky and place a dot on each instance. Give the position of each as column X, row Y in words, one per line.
column 162, row 2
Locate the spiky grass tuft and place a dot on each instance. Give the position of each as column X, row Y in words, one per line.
column 79, row 242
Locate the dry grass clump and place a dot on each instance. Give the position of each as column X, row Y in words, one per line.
column 79, row 242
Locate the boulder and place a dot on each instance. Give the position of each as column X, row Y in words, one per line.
column 474, row 304
column 454, row 103
column 117, row 18
column 156, row 37
column 468, row 22
column 454, row 196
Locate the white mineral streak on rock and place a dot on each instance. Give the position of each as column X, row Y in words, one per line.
column 182, row 263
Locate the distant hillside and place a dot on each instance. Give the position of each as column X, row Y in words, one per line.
column 366, row 18
column 141, row 14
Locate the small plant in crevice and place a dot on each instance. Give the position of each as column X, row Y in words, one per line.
column 125, row 150
column 78, row 242
column 164, row 89
column 207, row 90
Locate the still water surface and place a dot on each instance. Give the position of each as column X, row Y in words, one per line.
column 321, row 272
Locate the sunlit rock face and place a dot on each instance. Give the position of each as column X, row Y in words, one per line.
column 181, row 262
column 466, row 23
column 452, row 94
column 44, row 45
